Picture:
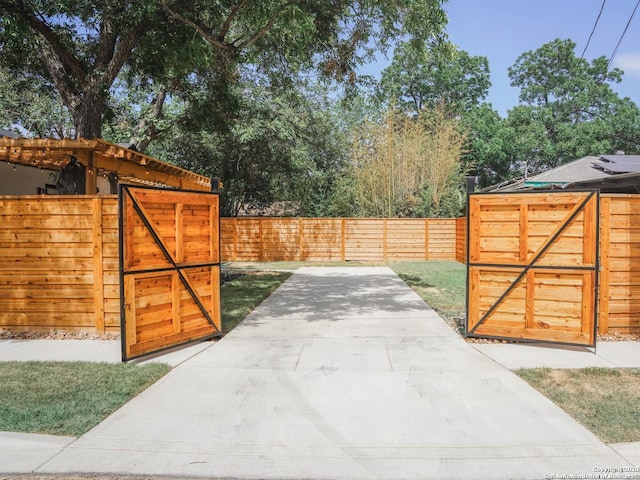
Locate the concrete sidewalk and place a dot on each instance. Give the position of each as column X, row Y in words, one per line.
column 108, row 351
column 605, row 355
column 510, row 355
column 341, row 373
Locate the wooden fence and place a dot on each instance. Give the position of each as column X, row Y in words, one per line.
column 619, row 264
column 461, row 240
column 532, row 266
column 59, row 263
column 340, row 239
column 59, row 255
column 618, row 245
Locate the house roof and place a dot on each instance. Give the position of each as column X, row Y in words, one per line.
column 575, row 171
column 8, row 133
column 622, row 183
column 99, row 157
column 618, row 164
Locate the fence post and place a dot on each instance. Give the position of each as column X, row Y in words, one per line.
column 235, row 239
column 384, row 239
column 426, row 239
column 343, row 240
column 605, row 264
column 301, row 255
column 260, row 241
column 98, row 270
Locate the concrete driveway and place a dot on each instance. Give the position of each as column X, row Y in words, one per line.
column 341, row 373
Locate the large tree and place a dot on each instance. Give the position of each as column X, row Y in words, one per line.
column 277, row 147
column 488, row 150
column 568, row 108
column 423, row 75
column 285, row 35
column 80, row 47
column 34, row 105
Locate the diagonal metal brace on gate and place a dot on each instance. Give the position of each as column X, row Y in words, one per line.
column 185, row 281
column 546, row 246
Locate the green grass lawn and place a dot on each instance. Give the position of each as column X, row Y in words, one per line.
column 441, row 284
column 68, row 398
column 242, row 293
column 605, row 400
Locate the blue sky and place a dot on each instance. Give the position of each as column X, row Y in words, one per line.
column 502, row 30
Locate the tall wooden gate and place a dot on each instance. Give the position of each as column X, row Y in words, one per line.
column 532, row 266
column 169, row 268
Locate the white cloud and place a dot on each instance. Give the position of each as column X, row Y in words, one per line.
column 629, row 62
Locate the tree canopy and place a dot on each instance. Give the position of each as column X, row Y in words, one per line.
column 265, row 95
column 78, row 47
column 81, row 47
column 568, row 108
column 421, row 76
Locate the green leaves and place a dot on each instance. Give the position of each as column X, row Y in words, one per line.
column 424, row 75
column 403, row 166
column 569, row 110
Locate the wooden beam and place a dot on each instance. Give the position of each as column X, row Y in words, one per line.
column 131, row 338
column 343, row 239
column 176, row 290
column 54, row 154
column 529, row 307
column 214, row 230
column 384, row 240
column 426, row 239
column 179, row 253
column 215, row 311
column 605, row 265
column 524, row 233
column 98, row 272
column 301, row 255
column 125, row 169
column 91, row 177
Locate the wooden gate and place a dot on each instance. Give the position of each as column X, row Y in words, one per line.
column 169, row 268
column 532, row 266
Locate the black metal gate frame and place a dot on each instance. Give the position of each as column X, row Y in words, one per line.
column 125, row 189
column 531, row 265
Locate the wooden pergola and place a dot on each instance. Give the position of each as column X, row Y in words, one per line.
column 99, row 158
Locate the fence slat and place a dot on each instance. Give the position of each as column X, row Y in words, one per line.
column 56, row 262
column 342, row 239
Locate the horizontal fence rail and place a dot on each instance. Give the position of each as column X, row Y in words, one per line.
column 256, row 239
column 59, row 263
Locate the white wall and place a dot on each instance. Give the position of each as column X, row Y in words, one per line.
column 26, row 180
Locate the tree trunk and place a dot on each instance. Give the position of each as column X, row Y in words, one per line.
column 71, row 179
column 88, row 115
column 146, row 130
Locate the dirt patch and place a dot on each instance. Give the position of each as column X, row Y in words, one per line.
column 456, row 322
column 56, row 335
column 619, row 337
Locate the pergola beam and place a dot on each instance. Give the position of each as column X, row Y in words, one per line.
column 99, row 156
